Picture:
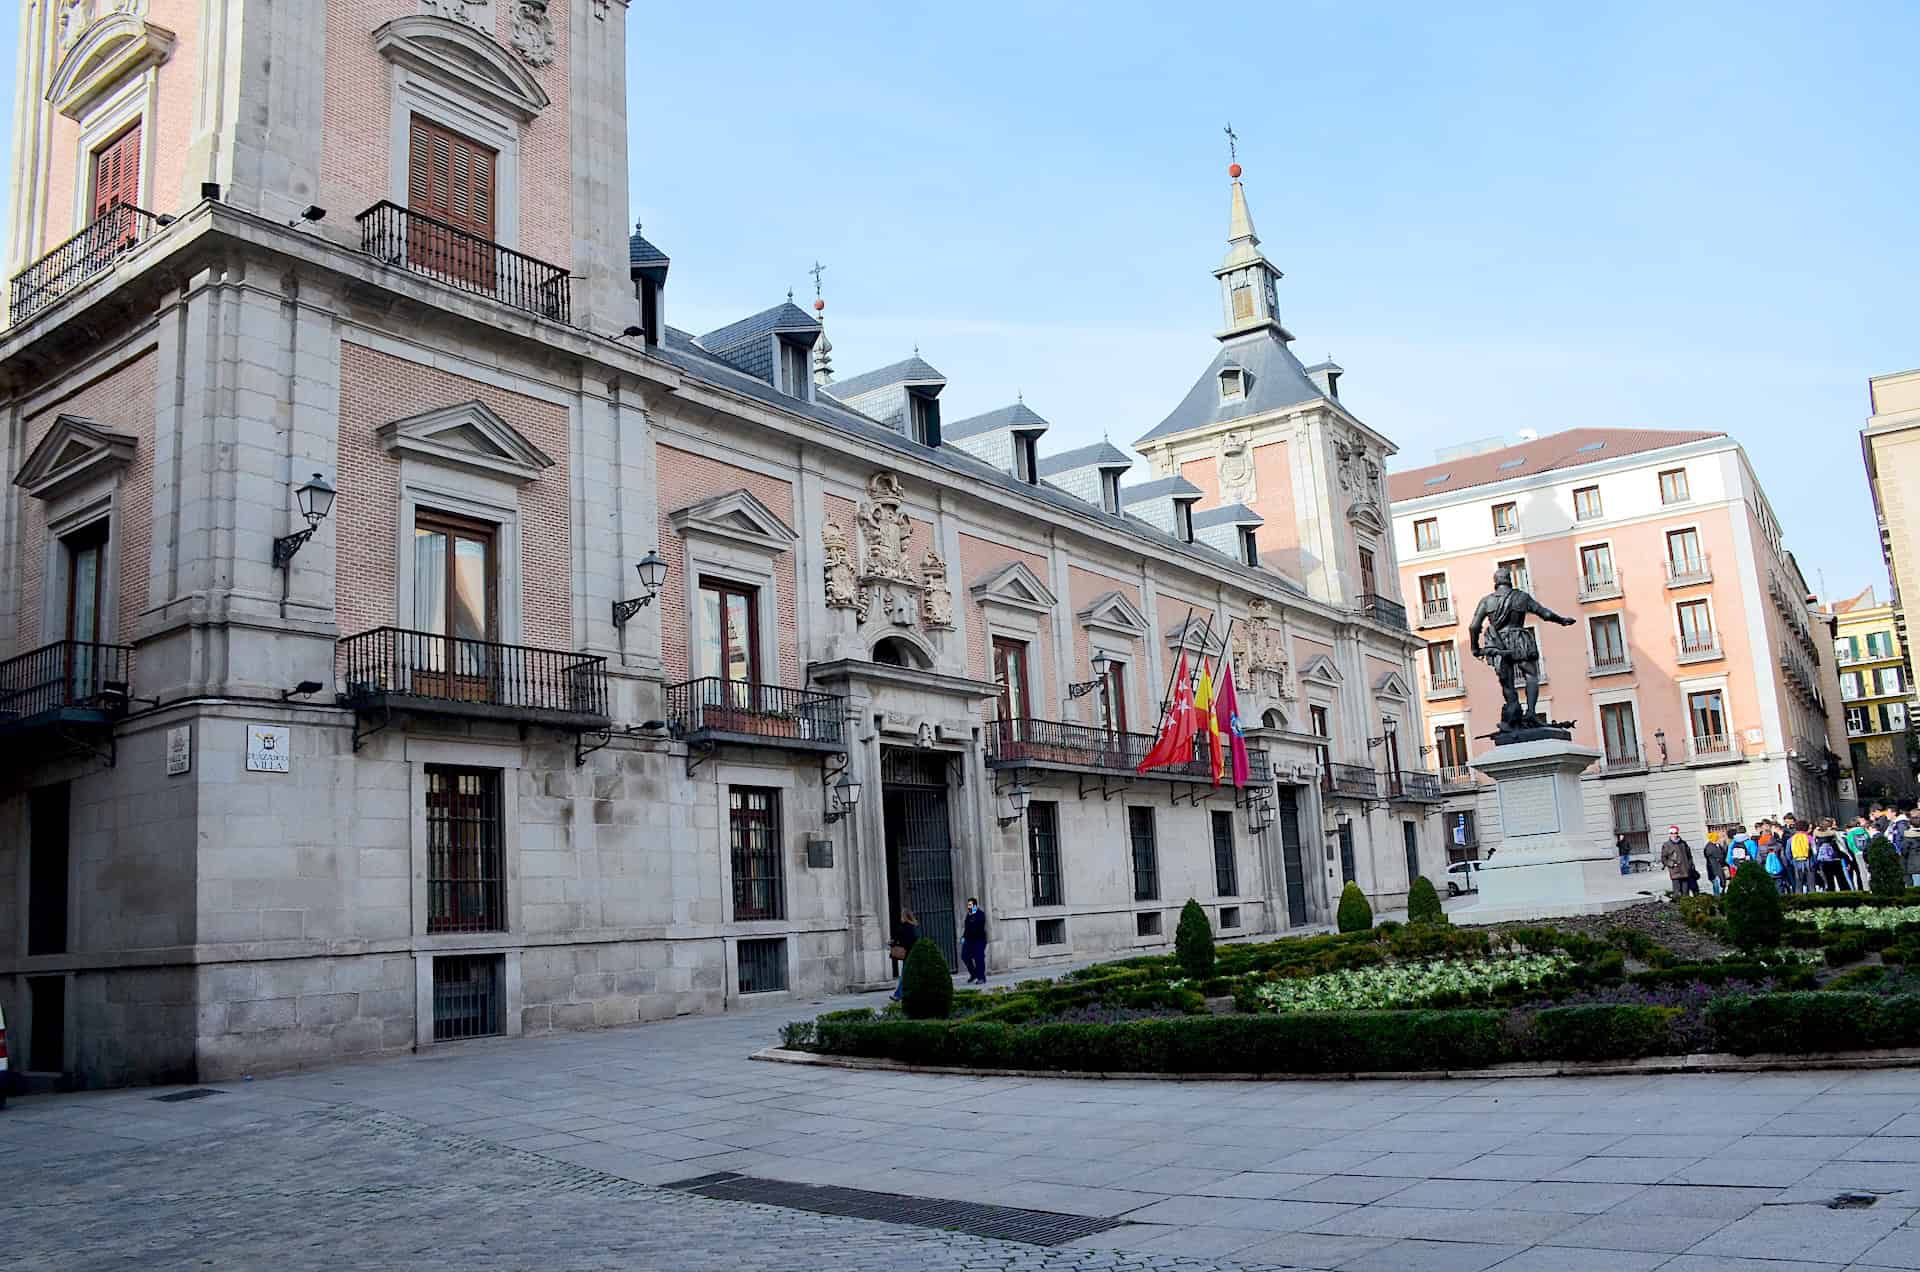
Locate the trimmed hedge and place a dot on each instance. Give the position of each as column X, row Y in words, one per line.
column 1885, row 876
column 1354, row 914
column 1788, row 975
column 1193, row 941
column 1604, row 1031
column 1823, row 1020
column 926, row 983
column 1423, row 902
column 1752, row 908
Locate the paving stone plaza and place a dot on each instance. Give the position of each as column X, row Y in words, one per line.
column 553, row 1152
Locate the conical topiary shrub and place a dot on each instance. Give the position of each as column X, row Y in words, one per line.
column 926, row 984
column 1423, row 903
column 1354, row 914
column 1885, row 878
column 1193, row 941
column 1752, row 907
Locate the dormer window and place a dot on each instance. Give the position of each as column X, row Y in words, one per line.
column 1183, row 520
column 1249, row 547
column 649, row 309
column 925, row 418
column 1233, row 384
column 1026, row 458
column 794, row 376
column 1110, row 490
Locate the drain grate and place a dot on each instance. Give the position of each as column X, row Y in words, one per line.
column 191, row 1093
column 1003, row 1223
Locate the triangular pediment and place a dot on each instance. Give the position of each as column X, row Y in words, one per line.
column 1017, row 585
column 1391, row 685
column 470, row 436
column 108, row 54
column 1192, row 633
column 739, row 517
column 464, row 59
column 1321, row 670
column 1113, row 612
column 73, row 451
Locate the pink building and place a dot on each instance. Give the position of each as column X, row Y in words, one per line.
column 1695, row 665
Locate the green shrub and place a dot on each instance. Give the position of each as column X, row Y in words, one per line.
column 926, row 984
column 1885, row 877
column 1604, row 1031
column 1790, row 976
column 1701, row 913
column 1753, row 910
column 1193, row 941
column 798, row 1035
column 1859, row 978
column 1849, row 945
column 1423, row 903
column 1354, row 915
column 1796, row 1022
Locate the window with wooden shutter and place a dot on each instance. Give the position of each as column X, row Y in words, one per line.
column 451, row 179
column 116, row 172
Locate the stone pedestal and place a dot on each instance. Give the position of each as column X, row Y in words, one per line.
column 1550, row 863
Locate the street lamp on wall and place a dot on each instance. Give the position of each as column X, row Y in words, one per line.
column 1016, row 796
column 1660, row 740
column 846, row 798
column 653, row 572
column 315, row 498
column 1388, row 728
column 1101, row 664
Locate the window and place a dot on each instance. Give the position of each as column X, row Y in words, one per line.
column 763, row 965
column 1049, row 931
column 1893, row 717
column 1010, row 673
column 49, row 868
column 1879, row 644
column 1113, row 703
column 116, row 173
column 1852, row 685
column 1722, row 802
column 1229, row 917
column 1110, row 489
column 793, row 369
column 1410, row 841
column 1450, row 744
column 1630, row 819
column 469, row 996
column 466, row 866
column 1436, row 603
column 1846, row 649
column 1349, row 868
column 1518, row 567
column 1226, row 874
column 1368, row 585
column 85, row 554
column 1443, row 665
column 1609, row 641
column 1043, row 851
column 1707, row 715
column 1685, row 560
column 1617, row 733
column 1147, row 924
column 1233, row 384
column 1586, row 503
column 1463, row 835
column 925, row 410
column 1249, row 547
column 1317, row 717
column 1673, row 486
column 1426, row 534
column 1696, row 627
column 1506, row 519
column 1183, row 520
column 759, row 871
column 1242, row 293
column 1858, row 720
column 1146, row 855
column 450, row 178
column 729, row 646
column 1026, row 460
column 1596, row 566
column 1887, row 680
column 455, row 595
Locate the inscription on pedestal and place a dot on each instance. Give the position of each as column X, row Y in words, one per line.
column 1527, row 806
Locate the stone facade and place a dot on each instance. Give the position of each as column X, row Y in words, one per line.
column 1877, row 695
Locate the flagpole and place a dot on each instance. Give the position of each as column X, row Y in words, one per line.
column 1213, row 707
column 1173, row 670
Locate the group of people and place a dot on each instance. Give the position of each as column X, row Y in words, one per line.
column 973, row 943
column 1797, row 853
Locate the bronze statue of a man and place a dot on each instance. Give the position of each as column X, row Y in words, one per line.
column 1510, row 647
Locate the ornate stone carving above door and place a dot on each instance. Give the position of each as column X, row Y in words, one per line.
column 533, row 32
column 1260, row 652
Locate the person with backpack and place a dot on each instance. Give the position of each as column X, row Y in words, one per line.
column 1856, row 839
column 1716, row 860
column 1826, row 857
column 1739, row 851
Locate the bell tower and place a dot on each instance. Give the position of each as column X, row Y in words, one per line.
column 1247, row 278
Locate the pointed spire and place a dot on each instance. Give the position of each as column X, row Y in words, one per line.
column 823, row 348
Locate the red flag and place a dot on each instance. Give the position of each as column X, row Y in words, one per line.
column 1175, row 743
column 1226, row 712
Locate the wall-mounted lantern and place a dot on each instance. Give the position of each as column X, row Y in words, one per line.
column 846, row 798
column 1016, row 797
column 316, row 501
column 653, row 572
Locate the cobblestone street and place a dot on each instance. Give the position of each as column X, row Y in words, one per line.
column 550, row 1153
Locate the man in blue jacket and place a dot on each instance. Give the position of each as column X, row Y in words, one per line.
column 973, row 943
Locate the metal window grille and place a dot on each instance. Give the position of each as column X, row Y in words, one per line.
column 1147, row 924
column 1229, row 917
column 759, row 874
column 1722, row 800
column 1043, row 849
column 1226, row 875
column 466, row 868
column 1410, row 834
column 1146, row 856
column 763, row 965
column 1630, row 819
column 468, row 996
column 1349, row 868
column 1050, row 932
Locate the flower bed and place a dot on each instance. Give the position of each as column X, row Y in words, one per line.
column 1881, row 918
column 1413, row 985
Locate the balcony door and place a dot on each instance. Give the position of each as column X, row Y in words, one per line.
column 1684, row 557
column 1450, row 740
column 1707, row 715
column 1596, row 567
column 1010, row 674
column 1113, row 701
column 728, row 655
column 86, row 563
column 451, row 178
column 1696, row 627
column 455, row 608
column 1369, row 586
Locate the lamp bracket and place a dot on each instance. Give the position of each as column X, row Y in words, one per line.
column 625, row 610
column 1082, row 689
column 288, row 545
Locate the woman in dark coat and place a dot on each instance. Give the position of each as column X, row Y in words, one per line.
column 905, row 933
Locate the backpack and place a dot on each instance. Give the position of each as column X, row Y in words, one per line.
column 1773, row 861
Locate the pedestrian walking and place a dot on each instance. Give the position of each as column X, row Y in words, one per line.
column 973, row 942
column 1800, row 855
column 1739, row 851
column 1624, row 847
column 1856, row 839
column 1775, row 861
column 905, row 932
column 1677, row 856
column 1716, row 855
column 1826, row 857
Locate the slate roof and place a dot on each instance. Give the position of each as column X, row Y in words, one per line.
column 644, row 257
column 912, row 370
column 1019, row 416
column 1543, row 455
column 1098, row 455
column 785, row 316
column 1140, row 492
column 1232, row 514
column 1275, row 379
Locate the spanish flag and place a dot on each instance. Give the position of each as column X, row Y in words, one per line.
column 1203, row 702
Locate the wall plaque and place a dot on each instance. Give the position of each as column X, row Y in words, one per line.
column 179, row 749
column 1528, row 806
column 269, row 748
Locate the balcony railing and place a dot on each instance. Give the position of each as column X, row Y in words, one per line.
column 1612, row 764
column 392, row 667
column 1608, row 664
column 1438, row 614
column 1058, row 744
column 1457, row 777
column 1697, row 646
column 67, row 681
column 1604, row 586
column 711, row 709
column 421, row 244
column 120, row 229
column 1414, row 785
column 1689, row 570
column 1712, row 746
column 1383, row 611
column 1350, row 779
column 1445, row 686
column 1507, row 531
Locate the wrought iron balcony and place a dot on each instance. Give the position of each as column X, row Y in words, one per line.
column 1438, row 614
column 1414, row 786
column 711, row 710
column 1608, row 664
column 1613, row 763
column 69, row 682
column 120, row 229
column 1687, row 571
column 1692, row 647
column 1082, row 748
column 1350, row 779
column 393, row 669
column 1445, row 686
column 1458, row 777
column 1386, row 612
column 1712, row 746
column 422, row 244
column 1603, row 586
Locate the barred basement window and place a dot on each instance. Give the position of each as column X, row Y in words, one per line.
column 466, row 868
column 469, row 996
column 1050, row 932
column 1146, row 856
column 759, row 883
column 1722, row 801
column 1147, row 924
column 1630, row 819
column 1043, row 851
column 1229, row 917
column 763, row 965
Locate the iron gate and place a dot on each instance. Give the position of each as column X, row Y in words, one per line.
column 920, row 843
column 1296, row 870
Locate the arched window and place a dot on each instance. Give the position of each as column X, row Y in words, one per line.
column 895, row 652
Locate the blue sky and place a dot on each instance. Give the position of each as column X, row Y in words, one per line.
column 1494, row 218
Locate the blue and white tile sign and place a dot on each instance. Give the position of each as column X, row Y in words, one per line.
column 269, row 748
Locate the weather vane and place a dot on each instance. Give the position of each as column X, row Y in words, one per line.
column 817, row 270
column 1233, row 144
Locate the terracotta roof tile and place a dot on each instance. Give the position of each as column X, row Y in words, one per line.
column 1542, row 455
